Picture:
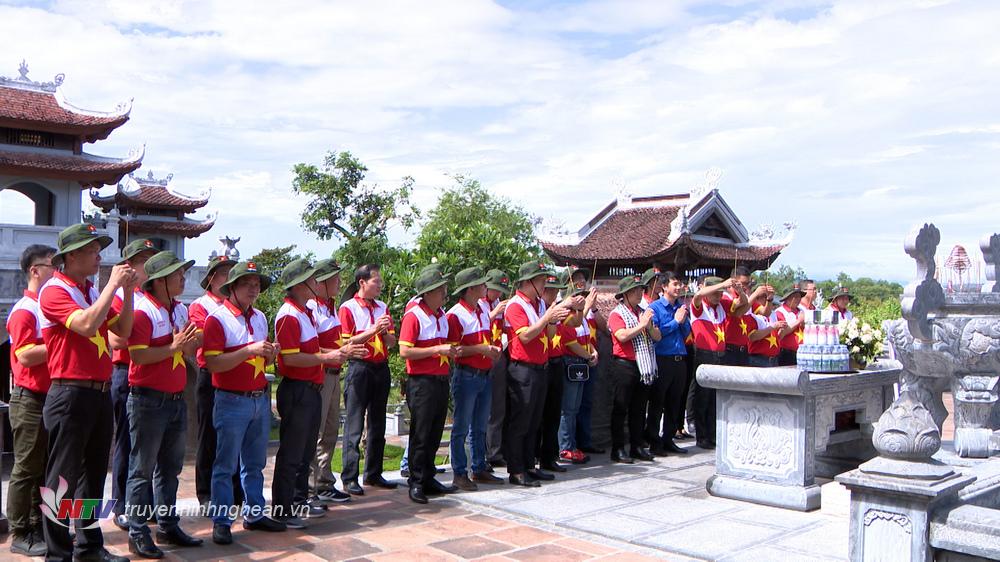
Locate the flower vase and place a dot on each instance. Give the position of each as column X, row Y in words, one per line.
column 858, row 365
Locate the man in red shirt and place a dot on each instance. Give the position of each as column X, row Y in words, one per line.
column 423, row 343
column 469, row 327
column 497, row 287
column 527, row 320
column 791, row 335
column 75, row 322
column 161, row 337
column 808, row 302
column 764, row 336
column 324, row 310
column 27, row 397
column 300, row 364
column 236, row 352
column 651, row 287
column 199, row 311
column 737, row 301
column 135, row 254
column 365, row 320
column 708, row 320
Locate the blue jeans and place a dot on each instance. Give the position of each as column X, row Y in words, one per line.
column 404, row 463
column 571, row 399
column 583, row 435
column 157, row 428
column 242, row 426
column 471, row 396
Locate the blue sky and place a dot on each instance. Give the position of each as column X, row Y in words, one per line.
column 857, row 120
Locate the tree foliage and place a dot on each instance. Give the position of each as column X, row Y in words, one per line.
column 270, row 262
column 472, row 227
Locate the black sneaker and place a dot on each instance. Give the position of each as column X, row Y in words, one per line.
column 264, row 524
column 309, row 511
column 293, row 523
column 404, row 473
column 222, row 534
column 333, row 496
column 28, row 545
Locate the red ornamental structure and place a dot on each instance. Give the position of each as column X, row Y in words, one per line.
column 147, row 207
column 691, row 233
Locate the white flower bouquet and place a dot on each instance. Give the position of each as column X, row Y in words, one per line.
column 864, row 343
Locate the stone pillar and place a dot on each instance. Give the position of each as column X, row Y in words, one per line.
column 892, row 496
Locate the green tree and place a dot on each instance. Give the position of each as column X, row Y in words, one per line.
column 270, row 262
column 472, row 227
column 342, row 205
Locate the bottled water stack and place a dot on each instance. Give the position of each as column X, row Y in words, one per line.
column 821, row 350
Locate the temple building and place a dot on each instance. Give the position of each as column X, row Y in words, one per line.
column 149, row 208
column 690, row 233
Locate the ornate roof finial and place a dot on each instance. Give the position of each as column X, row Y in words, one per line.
column 23, row 70
column 25, row 83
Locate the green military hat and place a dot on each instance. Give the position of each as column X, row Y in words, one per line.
column 532, row 269
column 628, row 283
column 326, row 269
column 298, row 271
column 161, row 265
column 557, row 280
column 214, row 264
column 796, row 288
column 429, row 280
column 842, row 291
column 75, row 237
column 136, row 247
column 244, row 269
column 649, row 275
column 467, row 278
column 712, row 281
column 497, row 281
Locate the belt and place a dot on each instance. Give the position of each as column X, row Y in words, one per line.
column 82, row 383
column 247, row 393
column 318, row 387
column 710, row 353
column 675, row 358
column 40, row 396
column 332, row 370
column 532, row 366
column 624, row 361
column 153, row 393
column 739, row 348
column 474, row 371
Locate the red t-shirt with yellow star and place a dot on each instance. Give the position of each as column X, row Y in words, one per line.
column 24, row 328
column 768, row 345
column 422, row 327
column 625, row 350
column 791, row 341
column 121, row 356
column 707, row 326
column 520, row 314
column 296, row 332
column 70, row 355
column 737, row 328
column 356, row 316
column 228, row 329
column 564, row 334
column 469, row 325
column 153, row 326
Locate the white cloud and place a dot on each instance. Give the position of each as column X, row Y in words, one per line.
column 858, row 119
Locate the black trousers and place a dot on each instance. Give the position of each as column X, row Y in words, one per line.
column 666, row 397
column 526, row 386
column 548, row 431
column 737, row 356
column 427, row 397
column 628, row 404
column 686, row 412
column 704, row 398
column 366, row 391
column 205, row 455
column 79, row 422
column 299, row 405
column 787, row 357
column 498, row 409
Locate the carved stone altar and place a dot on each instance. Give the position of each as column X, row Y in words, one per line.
column 776, row 429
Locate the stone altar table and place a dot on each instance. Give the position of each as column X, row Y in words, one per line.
column 776, row 428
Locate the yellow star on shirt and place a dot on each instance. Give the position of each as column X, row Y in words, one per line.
column 102, row 344
column 444, row 359
column 486, row 340
column 497, row 332
column 799, row 336
column 545, row 342
column 720, row 334
column 257, row 362
column 743, row 326
column 377, row 347
column 178, row 359
column 556, row 341
column 772, row 340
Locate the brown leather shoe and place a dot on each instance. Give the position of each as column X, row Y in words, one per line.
column 463, row 483
column 486, row 478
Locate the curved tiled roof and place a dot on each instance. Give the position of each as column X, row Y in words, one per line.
column 625, row 235
column 148, row 197
column 46, row 111
column 89, row 170
column 187, row 228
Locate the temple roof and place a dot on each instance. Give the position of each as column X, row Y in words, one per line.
column 40, row 106
column 643, row 230
column 186, row 227
column 148, row 193
column 89, row 170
